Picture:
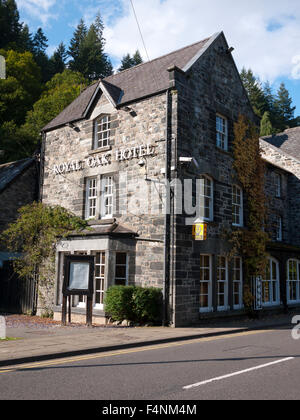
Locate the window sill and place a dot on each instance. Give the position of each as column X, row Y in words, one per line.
column 226, row 152
column 99, row 222
column 99, row 150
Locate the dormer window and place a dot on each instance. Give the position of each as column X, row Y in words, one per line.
column 102, row 132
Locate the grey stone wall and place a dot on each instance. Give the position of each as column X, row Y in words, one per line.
column 211, row 87
column 289, row 206
column 143, row 210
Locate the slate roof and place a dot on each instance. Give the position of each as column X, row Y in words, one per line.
column 288, row 141
column 112, row 229
column 10, row 171
column 134, row 83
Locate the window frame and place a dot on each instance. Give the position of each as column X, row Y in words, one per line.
column 89, row 198
column 204, row 197
column 82, row 299
column 239, row 206
column 208, row 308
column 99, row 123
column 297, row 281
column 101, row 197
column 223, row 143
column 270, row 281
column 126, row 265
column 240, row 282
column 101, row 278
column 107, row 195
column 225, row 307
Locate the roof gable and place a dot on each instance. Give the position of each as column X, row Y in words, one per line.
column 135, row 83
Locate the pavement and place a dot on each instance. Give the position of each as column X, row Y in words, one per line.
column 33, row 339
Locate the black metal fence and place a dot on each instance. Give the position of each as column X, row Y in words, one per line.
column 17, row 296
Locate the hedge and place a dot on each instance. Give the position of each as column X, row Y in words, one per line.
column 135, row 304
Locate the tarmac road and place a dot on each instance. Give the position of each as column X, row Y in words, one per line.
column 253, row 365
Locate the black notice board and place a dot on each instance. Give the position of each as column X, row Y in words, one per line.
column 78, row 276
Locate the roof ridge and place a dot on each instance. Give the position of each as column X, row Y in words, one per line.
column 158, row 58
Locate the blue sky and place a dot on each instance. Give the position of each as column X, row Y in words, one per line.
column 265, row 34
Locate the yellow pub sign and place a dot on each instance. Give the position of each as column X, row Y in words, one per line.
column 200, row 232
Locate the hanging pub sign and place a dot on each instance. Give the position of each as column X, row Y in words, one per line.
column 78, row 281
column 200, row 231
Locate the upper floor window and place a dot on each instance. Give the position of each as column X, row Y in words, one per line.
column 99, row 200
column 107, row 197
column 237, row 206
column 278, row 185
column 102, row 132
column 206, row 198
column 92, row 194
column 222, row 132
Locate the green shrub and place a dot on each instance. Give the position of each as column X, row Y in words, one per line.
column 118, row 303
column 147, row 304
column 134, row 304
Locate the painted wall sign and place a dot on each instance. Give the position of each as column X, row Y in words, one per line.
column 105, row 159
column 200, row 232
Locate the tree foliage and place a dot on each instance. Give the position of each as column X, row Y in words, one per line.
column 9, row 23
column 251, row 241
column 266, row 128
column 59, row 92
column 263, row 100
column 128, row 61
column 22, row 87
column 36, row 233
column 87, row 51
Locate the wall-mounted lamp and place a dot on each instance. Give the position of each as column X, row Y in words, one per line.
column 130, row 111
column 71, row 125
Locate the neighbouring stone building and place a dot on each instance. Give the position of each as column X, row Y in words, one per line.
column 282, row 155
column 18, row 187
column 108, row 158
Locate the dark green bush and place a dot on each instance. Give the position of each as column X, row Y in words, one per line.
column 134, row 304
column 118, row 303
column 147, row 304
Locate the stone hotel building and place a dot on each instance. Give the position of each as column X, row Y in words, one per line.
column 109, row 156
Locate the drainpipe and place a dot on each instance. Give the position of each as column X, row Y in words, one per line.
column 167, row 223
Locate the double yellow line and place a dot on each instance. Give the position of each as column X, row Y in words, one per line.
column 57, row 362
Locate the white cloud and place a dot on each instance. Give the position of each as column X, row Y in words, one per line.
column 296, row 67
column 39, row 9
column 265, row 34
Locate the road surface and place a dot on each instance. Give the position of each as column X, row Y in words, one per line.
column 252, row 366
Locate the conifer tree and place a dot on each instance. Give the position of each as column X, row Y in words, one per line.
column 40, row 44
column 128, row 61
column 58, row 59
column 76, row 45
column 255, row 91
column 9, row 24
column 87, row 51
column 266, row 128
column 284, row 109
